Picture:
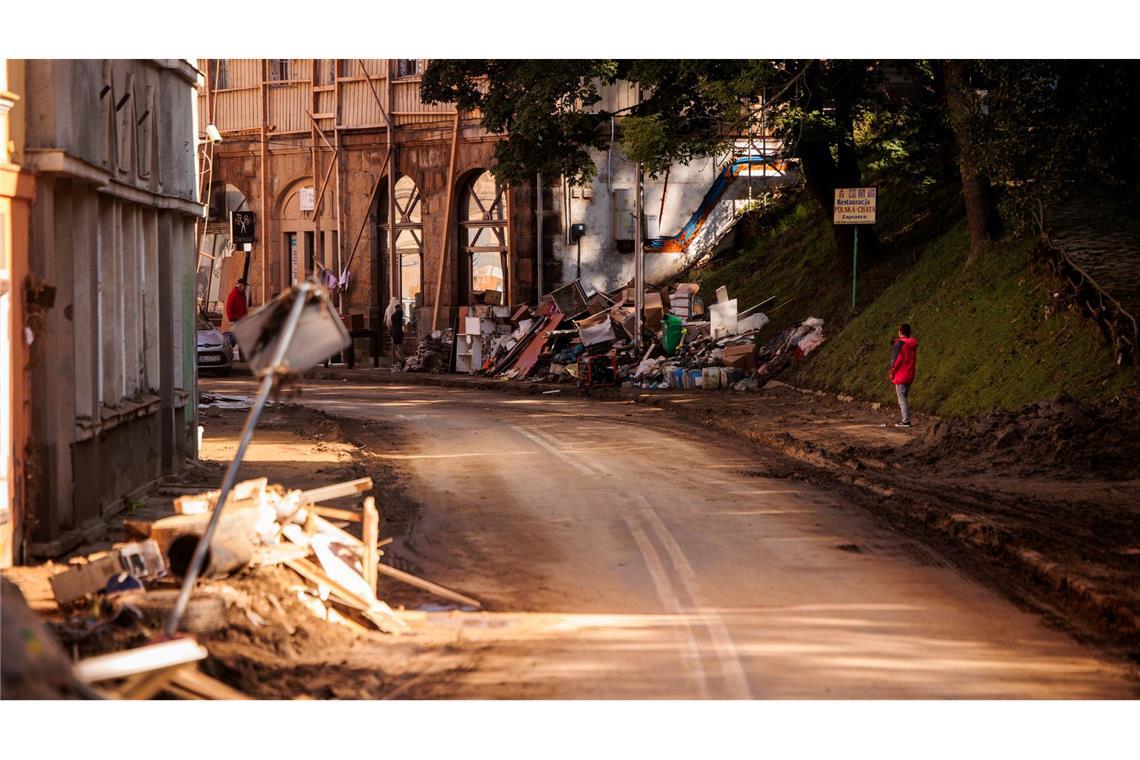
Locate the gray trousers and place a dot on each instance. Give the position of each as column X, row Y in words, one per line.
column 903, row 390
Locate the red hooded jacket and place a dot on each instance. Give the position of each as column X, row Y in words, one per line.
column 236, row 307
column 902, row 367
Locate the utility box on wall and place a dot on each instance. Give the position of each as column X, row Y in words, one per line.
column 623, row 214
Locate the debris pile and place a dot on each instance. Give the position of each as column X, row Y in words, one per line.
column 263, row 525
column 433, row 354
column 590, row 340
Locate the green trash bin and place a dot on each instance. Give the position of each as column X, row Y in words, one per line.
column 672, row 327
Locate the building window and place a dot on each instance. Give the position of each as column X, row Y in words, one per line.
column 291, row 258
column 278, row 69
column 221, row 74
column 483, row 233
column 125, row 127
column 146, row 129
column 407, row 67
column 325, row 71
column 409, row 242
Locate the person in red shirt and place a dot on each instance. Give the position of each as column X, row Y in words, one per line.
column 904, row 353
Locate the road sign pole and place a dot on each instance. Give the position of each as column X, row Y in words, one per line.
column 854, row 266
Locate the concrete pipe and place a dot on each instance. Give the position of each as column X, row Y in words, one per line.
column 226, row 554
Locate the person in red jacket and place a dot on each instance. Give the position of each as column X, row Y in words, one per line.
column 903, row 355
column 236, row 306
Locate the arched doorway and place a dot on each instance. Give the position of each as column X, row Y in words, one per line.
column 409, row 238
column 298, row 232
column 483, row 236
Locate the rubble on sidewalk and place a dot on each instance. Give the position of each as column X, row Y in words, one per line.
column 264, row 526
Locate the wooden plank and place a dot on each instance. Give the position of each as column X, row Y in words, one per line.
column 447, row 224
column 376, row 611
column 196, row 682
column 140, row 660
column 275, row 555
column 529, row 356
column 433, row 588
column 336, row 491
column 338, row 514
column 370, row 534
column 146, row 685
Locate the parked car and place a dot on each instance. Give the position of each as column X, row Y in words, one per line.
column 215, row 354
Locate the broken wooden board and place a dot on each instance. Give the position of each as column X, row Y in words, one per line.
column 336, row 491
column 378, row 613
column 428, row 586
column 191, row 683
column 264, row 556
column 239, row 520
column 247, row 492
column 529, row 356
column 332, row 513
column 370, row 532
column 142, row 659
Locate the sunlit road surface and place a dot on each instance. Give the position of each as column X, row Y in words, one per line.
column 621, row 558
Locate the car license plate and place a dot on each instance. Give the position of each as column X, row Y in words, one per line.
column 210, row 359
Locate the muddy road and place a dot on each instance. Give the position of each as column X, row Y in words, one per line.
column 621, row 556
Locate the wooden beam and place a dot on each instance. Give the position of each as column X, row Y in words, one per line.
column 376, row 95
column 433, row 588
column 446, row 223
column 370, row 534
column 146, row 685
column 333, row 513
column 336, row 491
column 376, row 611
column 194, row 681
column 142, row 659
column 364, row 221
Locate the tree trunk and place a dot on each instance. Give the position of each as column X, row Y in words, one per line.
column 981, row 208
column 823, row 174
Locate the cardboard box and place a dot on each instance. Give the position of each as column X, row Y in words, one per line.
column 654, row 311
column 741, row 356
column 80, row 580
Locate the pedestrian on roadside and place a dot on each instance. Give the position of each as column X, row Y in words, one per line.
column 394, row 321
column 903, row 355
column 236, row 307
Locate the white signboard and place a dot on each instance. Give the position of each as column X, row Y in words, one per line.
column 308, row 199
column 855, row 205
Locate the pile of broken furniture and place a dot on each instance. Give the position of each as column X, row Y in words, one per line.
column 589, row 340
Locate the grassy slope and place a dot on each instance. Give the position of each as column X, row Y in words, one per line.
column 984, row 339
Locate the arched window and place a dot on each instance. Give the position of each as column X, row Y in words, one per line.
column 409, row 241
column 483, row 233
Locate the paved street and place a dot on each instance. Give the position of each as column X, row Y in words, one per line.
column 620, row 556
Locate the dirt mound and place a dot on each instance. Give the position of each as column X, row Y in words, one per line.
column 1062, row 437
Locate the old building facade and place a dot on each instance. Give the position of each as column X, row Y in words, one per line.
column 101, row 347
column 346, row 170
column 326, row 152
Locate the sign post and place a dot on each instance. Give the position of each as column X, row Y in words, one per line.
column 855, row 205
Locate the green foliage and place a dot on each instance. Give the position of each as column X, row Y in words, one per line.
column 1041, row 129
column 539, row 104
